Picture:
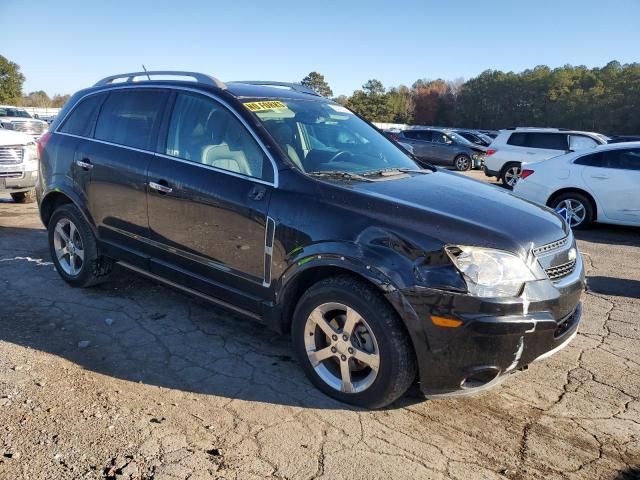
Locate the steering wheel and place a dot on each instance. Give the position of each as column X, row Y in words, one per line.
column 338, row 155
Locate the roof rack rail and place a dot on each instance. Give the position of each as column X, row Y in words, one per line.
column 130, row 77
column 293, row 86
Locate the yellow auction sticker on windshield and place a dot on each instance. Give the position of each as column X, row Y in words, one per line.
column 258, row 106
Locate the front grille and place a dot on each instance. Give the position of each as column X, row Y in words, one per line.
column 561, row 271
column 33, row 128
column 11, row 175
column 11, row 155
column 551, row 247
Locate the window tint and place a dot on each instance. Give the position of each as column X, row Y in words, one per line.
column 627, row 159
column 517, row 139
column 129, row 117
column 581, row 142
column 203, row 131
column 439, row 137
column 80, row 121
column 412, row 135
column 593, row 160
column 550, row 141
column 425, row 135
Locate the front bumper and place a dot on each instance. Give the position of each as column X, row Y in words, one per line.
column 497, row 336
column 16, row 180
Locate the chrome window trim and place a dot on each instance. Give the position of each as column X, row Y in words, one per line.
column 274, row 166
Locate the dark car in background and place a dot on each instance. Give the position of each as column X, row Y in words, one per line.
column 288, row 208
column 475, row 137
column 443, row 147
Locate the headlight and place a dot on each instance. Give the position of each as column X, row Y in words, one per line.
column 489, row 272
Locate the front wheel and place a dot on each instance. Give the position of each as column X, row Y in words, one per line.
column 462, row 163
column 351, row 343
column 24, row 197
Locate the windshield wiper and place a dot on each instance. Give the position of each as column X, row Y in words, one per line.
column 339, row 174
column 394, row 171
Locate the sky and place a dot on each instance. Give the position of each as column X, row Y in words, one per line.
column 65, row 45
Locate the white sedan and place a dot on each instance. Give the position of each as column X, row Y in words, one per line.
column 601, row 184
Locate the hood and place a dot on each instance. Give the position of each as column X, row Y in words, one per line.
column 8, row 137
column 458, row 210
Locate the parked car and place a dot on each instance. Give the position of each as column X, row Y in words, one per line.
column 288, row 208
column 443, row 147
column 18, row 119
column 601, row 185
column 623, row 138
column 515, row 146
column 476, row 138
column 393, row 136
column 18, row 165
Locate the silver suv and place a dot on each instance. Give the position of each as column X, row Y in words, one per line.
column 18, row 165
column 19, row 120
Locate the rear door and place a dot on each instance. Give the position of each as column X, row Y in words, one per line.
column 441, row 150
column 544, row 145
column 209, row 191
column 116, row 160
column 614, row 178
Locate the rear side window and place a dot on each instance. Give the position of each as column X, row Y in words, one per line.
column 81, row 120
column 517, row 139
column 593, row 160
column 203, row 131
column 549, row 141
column 130, row 117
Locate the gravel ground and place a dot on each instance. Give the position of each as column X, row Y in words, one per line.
column 132, row 380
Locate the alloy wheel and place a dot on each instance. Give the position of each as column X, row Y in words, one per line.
column 68, row 247
column 462, row 163
column 341, row 347
column 511, row 175
column 573, row 211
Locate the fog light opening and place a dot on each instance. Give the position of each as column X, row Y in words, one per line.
column 480, row 377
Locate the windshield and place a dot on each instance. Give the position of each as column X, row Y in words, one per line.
column 319, row 136
column 13, row 112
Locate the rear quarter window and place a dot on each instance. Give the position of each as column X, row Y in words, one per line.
column 131, row 117
column 547, row 141
column 592, row 160
column 82, row 118
column 517, row 139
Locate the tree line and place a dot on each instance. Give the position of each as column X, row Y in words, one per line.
column 605, row 99
column 11, row 80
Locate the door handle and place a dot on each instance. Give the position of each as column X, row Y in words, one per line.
column 601, row 177
column 160, row 188
column 84, row 164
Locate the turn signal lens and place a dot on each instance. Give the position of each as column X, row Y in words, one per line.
column 445, row 322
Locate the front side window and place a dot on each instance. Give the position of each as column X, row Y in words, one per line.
column 80, row 121
column 130, row 117
column 203, row 131
column 439, row 137
column 321, row 136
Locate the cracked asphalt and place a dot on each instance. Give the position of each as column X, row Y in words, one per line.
column 132, row 380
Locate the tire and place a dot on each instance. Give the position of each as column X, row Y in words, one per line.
column 581, row 206
column 510, row 173
column 24, row 197
column 462, row 163
column 377, row 330
column 87, row 266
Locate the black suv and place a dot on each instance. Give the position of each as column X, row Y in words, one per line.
column 288, row 208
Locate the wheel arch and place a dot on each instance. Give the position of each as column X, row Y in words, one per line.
column 56, row 198
column 506, row 165
column 562, row 191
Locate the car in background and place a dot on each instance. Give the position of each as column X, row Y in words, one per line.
column 18, row 165
column 515, row 146
column 623, row 138
column 392, row 134
column 601, row 185
column 475, row 137
column 442, row 147
column 19, row 120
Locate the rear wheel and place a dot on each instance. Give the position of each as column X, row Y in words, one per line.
column 351, row 344
column 576, row 209
column 74, row 249
column 24, row 197
column 510, row 174
column 462, row 163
